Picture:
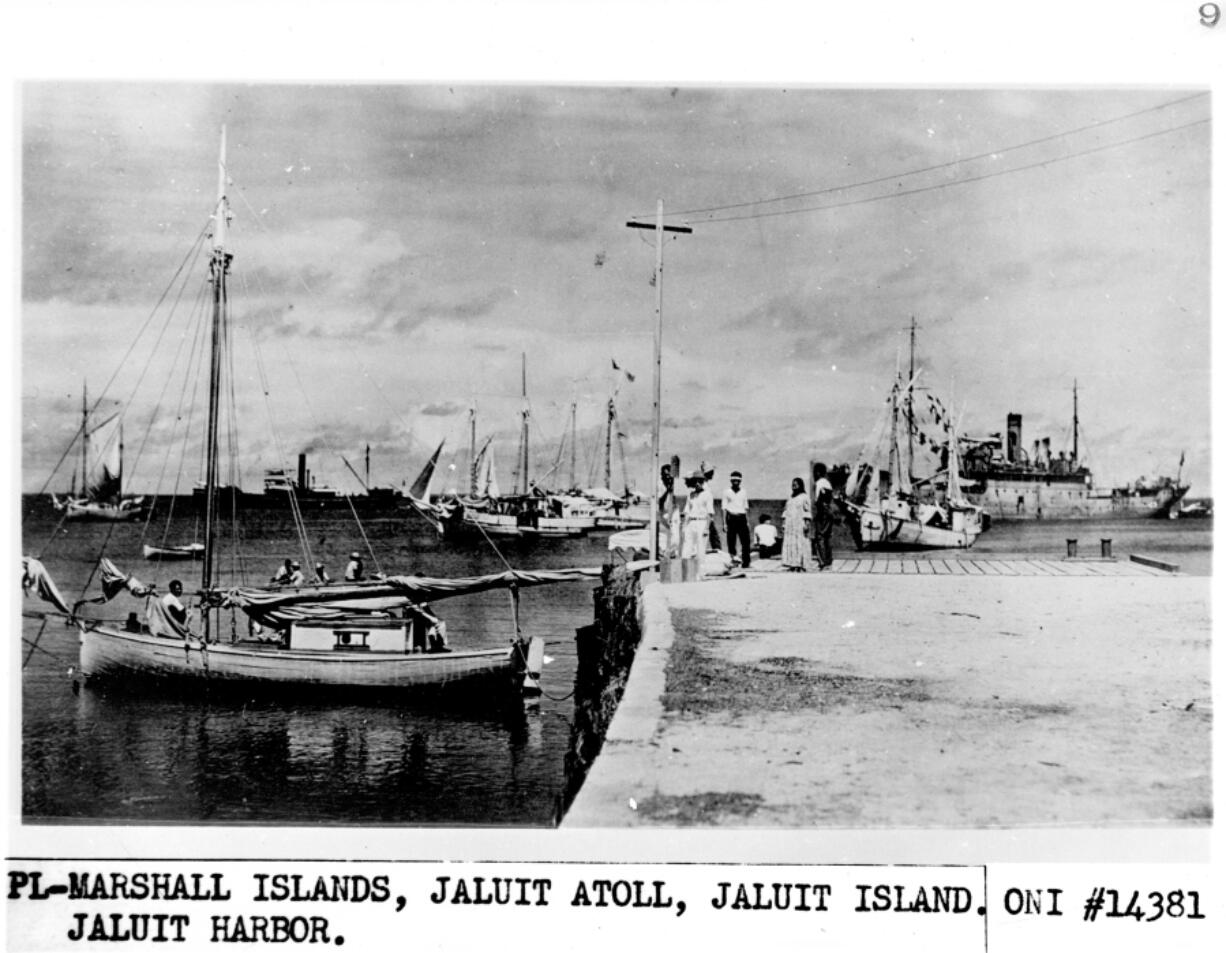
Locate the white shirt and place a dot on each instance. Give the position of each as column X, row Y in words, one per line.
column 700, row 505
column 736, row 502
column 765, row 534
column 174, row 607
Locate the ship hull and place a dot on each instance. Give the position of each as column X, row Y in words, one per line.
column 1010, row 499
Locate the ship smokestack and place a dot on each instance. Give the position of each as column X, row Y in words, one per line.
column 1047, row 452
column 1013, row 445
column 302, row 471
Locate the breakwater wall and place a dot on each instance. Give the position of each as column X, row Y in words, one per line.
column 605, row 652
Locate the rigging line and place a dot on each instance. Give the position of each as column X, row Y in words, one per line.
column 943, row 165
column 295, row 510
column 149, row 361
column 259, row 221
column 34, row 646
column 196, row 342
column 966, row 181
column 124, row 359
column 306, row 399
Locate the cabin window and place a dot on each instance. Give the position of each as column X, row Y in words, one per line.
column 352, row 639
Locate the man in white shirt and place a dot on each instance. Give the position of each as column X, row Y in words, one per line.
column 766, row 538
column 736, row 518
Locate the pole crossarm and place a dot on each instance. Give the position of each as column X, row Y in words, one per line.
column 659, row 228
column 683, row 229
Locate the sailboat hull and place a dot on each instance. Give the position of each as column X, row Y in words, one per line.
column 103, row 512
column 114, row 655
column 887, row 528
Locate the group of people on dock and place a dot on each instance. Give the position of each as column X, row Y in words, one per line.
column 808, row 522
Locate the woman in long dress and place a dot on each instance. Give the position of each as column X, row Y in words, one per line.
column 797, row 520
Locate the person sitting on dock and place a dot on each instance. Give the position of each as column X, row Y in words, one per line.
column 354, row 571
column 766, row 538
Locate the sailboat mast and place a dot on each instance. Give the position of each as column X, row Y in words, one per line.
column 574, row 439
column 472, row 451
column 911, row 409
column 523, row 372
column 218, row 266
column 608, row 446
column 84, row 439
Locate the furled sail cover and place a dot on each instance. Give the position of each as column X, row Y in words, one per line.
column 36, row 579
column 280, row 607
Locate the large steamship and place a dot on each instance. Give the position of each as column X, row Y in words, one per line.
column 1012, row 485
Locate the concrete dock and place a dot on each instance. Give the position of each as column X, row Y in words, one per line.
column 896, row 692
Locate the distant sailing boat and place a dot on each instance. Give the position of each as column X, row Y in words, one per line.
column 101, row 473
column 892, row 507
column 363, row 636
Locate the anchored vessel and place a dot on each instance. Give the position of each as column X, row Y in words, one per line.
column 101, row 474
column 1013, row 485
column 887, row 503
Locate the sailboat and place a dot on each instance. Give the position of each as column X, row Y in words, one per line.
column 529, row 512
column 376, row 635
column 894, row 507
column 101, row 473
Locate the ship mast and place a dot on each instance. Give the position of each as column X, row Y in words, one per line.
column 219, row 265
column 1076, row 425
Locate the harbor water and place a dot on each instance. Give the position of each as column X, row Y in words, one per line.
column 94, row 756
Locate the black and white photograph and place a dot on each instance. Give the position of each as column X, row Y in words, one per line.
column 648, row 464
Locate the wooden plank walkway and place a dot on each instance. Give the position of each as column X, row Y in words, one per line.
column 984, row 566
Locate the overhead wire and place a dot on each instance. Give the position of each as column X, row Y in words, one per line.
column 957, row 182
column 934, row 168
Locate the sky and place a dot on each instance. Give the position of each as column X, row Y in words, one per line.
column 400, row 249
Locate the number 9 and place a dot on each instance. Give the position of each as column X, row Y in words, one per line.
column 1210, row 13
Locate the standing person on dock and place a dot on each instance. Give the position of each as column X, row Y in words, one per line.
column 736, row 518
column 797, row 526
column 823, row 517
column 354, row 571
column 669, row 519
column 699, row 509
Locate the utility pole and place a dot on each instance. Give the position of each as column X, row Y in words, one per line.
column 660, row 229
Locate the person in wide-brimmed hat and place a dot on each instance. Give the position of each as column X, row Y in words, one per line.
column 353, row 571
column 696, row 520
